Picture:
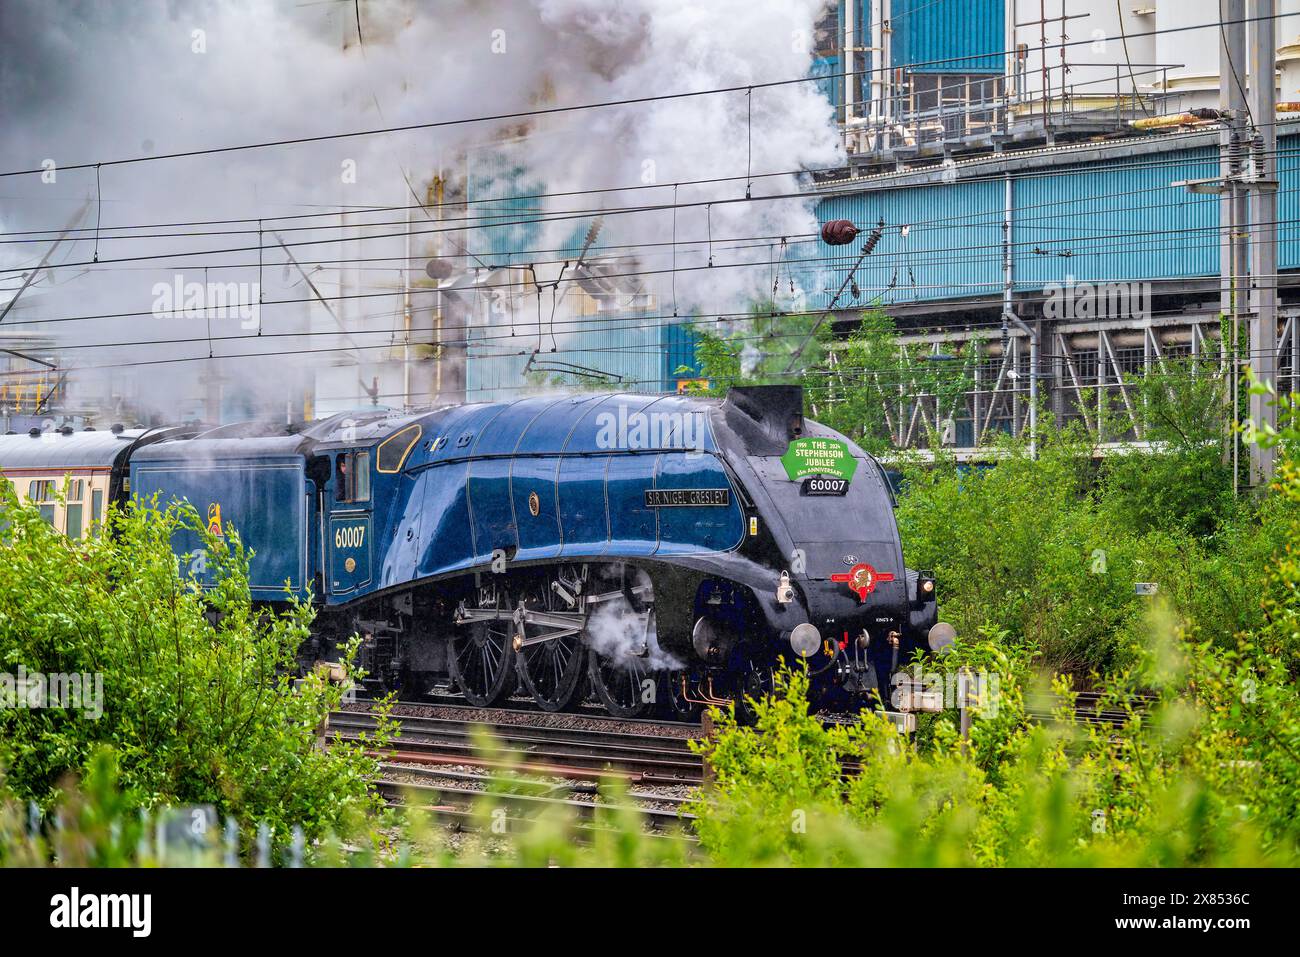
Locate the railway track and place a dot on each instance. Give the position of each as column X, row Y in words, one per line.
column 466, row 800
column 1087, row 708
column 554, row 763
column 438, row 759
column 1039, row 707
column 583, row 748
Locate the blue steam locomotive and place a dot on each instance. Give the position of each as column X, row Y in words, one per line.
column 652, row 552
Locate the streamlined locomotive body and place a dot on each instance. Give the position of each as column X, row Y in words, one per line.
column 646, row 550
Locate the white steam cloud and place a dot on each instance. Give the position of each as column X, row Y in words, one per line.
column 90, row 82
column 622, row 636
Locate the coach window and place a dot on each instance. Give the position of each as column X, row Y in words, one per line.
column 73, row 508
column 96, row 510
column 41, row 494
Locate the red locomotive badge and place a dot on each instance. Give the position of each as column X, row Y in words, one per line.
column 862, row 578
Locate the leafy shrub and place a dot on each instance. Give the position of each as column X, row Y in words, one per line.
column 1202, row 780
column 199, row 699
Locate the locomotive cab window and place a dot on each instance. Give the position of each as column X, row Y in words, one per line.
column 352, row 477
column 393, row 450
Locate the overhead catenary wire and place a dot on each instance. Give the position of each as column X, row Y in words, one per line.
column 968, row 332
column 561, row 216
column 897, row 377
column 603, row 104
column 966, row 249
column 827, row 189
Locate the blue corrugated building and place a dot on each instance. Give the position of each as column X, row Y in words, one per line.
column 947, row 36
column 1109, row 212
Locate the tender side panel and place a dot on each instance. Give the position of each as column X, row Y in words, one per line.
column 266, row 501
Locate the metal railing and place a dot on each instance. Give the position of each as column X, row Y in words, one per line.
column 967, row 110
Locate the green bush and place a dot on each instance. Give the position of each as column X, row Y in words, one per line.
column 1206, row 778
column 1049, row 549
column 199, row 699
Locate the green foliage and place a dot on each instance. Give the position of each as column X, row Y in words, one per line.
column 1049, row 548
column 96, row 824
column 1019, row 547
column 848, row 382
column 858, row 379
column 757, row 350
column 1206, row 778
column 1186, row 484
column 199, row 700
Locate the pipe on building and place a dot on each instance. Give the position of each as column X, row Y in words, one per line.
column 879, row 62
column 849, row 61
column 1186, row 118
column 1088, row 341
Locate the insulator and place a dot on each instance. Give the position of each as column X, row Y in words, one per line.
column 438, row 269
column 874, row 238
column 1257, row 155
column 839, row 232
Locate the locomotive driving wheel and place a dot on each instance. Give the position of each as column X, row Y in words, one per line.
column 620, row 671
column 678, row 702
column 551, row 658
column 757, row 682
column 482, row 656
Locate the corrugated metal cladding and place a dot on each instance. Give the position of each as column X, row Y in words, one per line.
column 1118, row 220
column 643, row 352
column 939, row 242
column 948, row 36
column 497, row 189
column 680, row 359
column 826, row 69
column 1288, row 202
